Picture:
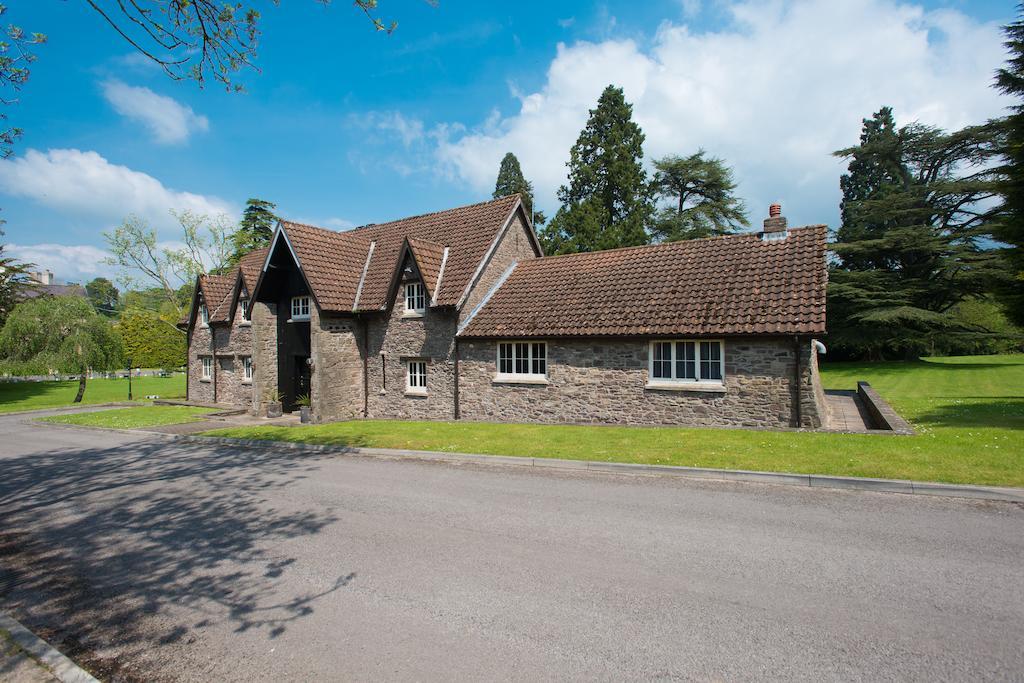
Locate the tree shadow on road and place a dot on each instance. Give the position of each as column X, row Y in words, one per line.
column 96, row 542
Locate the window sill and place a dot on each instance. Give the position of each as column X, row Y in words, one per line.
column 246, row 381
column 206, row 380
column 520, row 379
column 412, row 314
column 422, row 393
column 703, row 387
column 299, row 319
column 245, row 323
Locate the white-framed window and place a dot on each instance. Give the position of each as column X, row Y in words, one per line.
column 247, row 368
column 416, row 377
column 522, row 360
column 300, row 308
column 243, row 309
column 685, row 360
column 207, row 367
column 415, row 298
column 204, row 315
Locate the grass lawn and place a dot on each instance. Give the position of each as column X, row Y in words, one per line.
column 16, row 396
column 969, row 412
column 131, row 418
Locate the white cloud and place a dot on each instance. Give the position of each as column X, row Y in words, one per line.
column 169, row 121
column 774, row 93
column 87, row 186
column 69, row 263
column 408, row 129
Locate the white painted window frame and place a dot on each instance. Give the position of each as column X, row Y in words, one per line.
column 247, row 369
column 243, row 308
column 303, row 302
column 204, row 315
column 207, row 367
column 696, row 383
column 415, row 293
column 413, row 377
column 514, row 377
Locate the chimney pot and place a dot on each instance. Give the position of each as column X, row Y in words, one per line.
column 775, row 224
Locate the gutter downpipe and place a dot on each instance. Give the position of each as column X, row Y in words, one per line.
column 457, row 412
column 798, row 407
column 366, row 369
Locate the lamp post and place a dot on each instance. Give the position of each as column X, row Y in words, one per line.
column 129, row 379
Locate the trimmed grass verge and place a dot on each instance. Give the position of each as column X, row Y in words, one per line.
column 969, row 412
column 132, row 418
column 15, row 396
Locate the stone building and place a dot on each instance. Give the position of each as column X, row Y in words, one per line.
column 458, row 315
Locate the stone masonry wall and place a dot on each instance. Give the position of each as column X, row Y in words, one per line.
column 230, row 345
column 264, row 356
column 336, row 383
column 815, row 405
column 395, row 339
column 515, row 245
column 603, row 381
column 199, row 345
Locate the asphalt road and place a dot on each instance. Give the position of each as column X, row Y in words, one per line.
column 152, row 559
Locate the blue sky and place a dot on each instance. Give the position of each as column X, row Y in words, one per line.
column 345, row 126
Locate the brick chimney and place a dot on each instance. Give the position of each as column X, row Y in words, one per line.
column 775, row 224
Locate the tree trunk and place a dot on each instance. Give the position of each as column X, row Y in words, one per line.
column 81, row 387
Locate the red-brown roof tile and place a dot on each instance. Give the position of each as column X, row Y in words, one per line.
column 428, row 258
column 217, row 291
column 333, row 262
column 251, row 264
column 730, row 285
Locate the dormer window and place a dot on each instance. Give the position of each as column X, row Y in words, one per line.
column 204, row 315
column 415, row 299
column 300, row 308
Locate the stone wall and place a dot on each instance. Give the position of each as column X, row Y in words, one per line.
column 336, row 382
column 603, row 381
column 199, row 345
column 394, row 339
column 264, row 333
column 815, row 406
column 515, row 245
column 229, row 346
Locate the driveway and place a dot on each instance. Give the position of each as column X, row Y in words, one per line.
column 154, row 560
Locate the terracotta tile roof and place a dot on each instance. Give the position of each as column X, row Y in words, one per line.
column 333, row 261
column 722, row 285
column 468, row 231
column 428, row 259
column 251, row 264
column 217, row 291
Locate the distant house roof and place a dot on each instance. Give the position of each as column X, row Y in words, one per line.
column 731, row 285
column 334, row 262
column 33, row 290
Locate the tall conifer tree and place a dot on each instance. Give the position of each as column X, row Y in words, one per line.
column 917, row 214
column 607, row 202
column 255, row 229
column 511, row 181
column 1010, row 80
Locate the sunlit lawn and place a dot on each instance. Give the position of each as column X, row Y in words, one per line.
column 969, row 412
column 132, row 418
column 35, row 395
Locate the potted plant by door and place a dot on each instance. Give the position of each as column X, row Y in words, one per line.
column 274, row 407
column 303, row 402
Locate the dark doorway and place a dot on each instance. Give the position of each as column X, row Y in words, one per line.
column 302, row 375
